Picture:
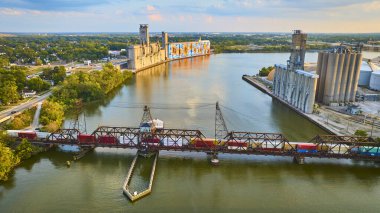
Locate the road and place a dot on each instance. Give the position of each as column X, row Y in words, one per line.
column 24, row 106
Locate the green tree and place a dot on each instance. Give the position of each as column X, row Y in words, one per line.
column 361, row 133
column 37, row 84
column 8, row 160
column 38, row 62
column 59, row 74
column 265, row 71
column 4, row 62
column 52, row 112
column 8, row 92
column 24, row 149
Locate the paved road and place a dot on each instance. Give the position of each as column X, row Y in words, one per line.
column 24, row 106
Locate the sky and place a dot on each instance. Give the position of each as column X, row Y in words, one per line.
column 314, row 16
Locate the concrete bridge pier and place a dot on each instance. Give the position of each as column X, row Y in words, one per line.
column 83, row 151
column 299, row 159
column 213, row 157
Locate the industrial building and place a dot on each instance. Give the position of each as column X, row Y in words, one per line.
column 148, row 54
column 291, row 83
column 339, row 71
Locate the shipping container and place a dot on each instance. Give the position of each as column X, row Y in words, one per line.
column 307, row 148
column 204, row 143
column 13, row 133
column 170, row 142
column 43, row 135
column 290, row 146
column 86, row 138
column 27, row 135
column 274, row 146
column 128, row 139
column 369, row 151
column 107, row 139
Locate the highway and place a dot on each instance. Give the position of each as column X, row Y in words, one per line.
column 23, row 106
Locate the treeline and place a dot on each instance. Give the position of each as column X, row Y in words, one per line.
column 13, row 81
column 89, row 86
column 81, row 87
column 37, row 49
column 12, row 153
column 33, row 49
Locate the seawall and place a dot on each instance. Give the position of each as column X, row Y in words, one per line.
column 166, row 61
column 252, row 81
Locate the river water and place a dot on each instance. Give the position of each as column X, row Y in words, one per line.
column 183, row 94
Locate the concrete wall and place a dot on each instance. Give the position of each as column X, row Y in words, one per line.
column 339, row 76
column 298, row 88
column 141, row 56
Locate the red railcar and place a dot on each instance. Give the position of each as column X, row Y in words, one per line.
column 27, row 135
column 107, row 139
column 85, row 138
column 151, row 140
column 307, row 146
column 204, row 143
column 237, row 144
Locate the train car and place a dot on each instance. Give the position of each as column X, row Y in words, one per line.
column 290, row 146
column 307, row 148
column 43, row 135
column 339, row 149
column 128, row 139
column 86, row 138
column 28, row 135
column 270, row 146
column 151, row 141
column 369, row 151
column 173, row 142
column 237, row 145
column 107, row 139
column 13, row 133
column 204, row 143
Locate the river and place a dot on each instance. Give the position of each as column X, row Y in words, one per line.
column 183, row 94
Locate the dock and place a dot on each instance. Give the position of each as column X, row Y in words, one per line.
column 135, row 195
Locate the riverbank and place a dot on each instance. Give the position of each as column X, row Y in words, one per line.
column 331, row 121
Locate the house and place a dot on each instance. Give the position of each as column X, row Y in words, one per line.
column 28, row 93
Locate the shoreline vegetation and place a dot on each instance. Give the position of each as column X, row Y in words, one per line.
column 83, row 87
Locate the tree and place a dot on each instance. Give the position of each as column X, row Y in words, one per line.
column 4, row 62
column 51, row 112
column 8, row 160
column 38, row 62
column 59, row 74
column 8, row 92
column 24, row 149
column 265, row 71
column 361, row 133
column 37, row 84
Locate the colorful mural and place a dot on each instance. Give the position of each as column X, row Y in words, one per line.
column 188, row 49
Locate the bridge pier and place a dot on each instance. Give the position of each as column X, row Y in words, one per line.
column 299, row 159
column 213, row 157
column 83, row 151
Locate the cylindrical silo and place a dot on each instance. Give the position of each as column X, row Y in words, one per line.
column 319, row 68
column 330, row 78
column 322, row 77
column 312, row 89
column 338, row 78
column 354, row 85
column 350, row 77
column 365, row 74
column 343, row 83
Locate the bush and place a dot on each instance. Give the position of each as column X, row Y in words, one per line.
column 265, row 71
column 361, row 133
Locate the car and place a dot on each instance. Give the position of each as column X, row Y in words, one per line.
column 13, row 112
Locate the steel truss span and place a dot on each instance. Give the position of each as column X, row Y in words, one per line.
column 251, row 143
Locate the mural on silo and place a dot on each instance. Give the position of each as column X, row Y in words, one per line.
column 188, row 49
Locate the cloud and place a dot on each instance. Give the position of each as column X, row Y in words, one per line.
column 150, row 8
column 155, row 17
column 55, row 5
column 11, row 12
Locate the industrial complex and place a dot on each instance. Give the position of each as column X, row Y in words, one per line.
column 147, row 54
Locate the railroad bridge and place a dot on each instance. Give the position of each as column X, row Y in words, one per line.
column 149, row 140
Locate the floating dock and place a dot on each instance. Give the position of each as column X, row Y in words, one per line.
column 135, row 195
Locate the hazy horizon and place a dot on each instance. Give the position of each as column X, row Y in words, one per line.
column 250, row 16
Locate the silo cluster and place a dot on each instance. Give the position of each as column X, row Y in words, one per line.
column 338, row 77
